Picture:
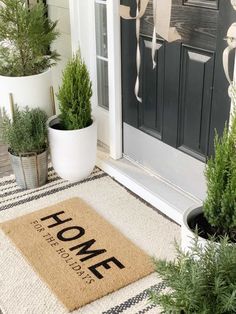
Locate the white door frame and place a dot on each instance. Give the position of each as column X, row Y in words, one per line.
column 82, row 17
column 171, row 200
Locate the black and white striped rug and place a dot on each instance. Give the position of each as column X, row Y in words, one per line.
column 22, row 291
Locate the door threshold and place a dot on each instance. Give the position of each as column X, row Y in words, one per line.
column 161, row 194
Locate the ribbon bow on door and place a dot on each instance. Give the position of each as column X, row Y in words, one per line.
column 161, row 21
column 231, row 41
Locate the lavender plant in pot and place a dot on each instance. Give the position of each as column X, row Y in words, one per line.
column 26, row 136
column 198, row 281
column 217, row 216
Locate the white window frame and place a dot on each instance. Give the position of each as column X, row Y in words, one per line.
column 82, row 16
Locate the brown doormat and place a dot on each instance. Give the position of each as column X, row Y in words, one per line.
column 78, row 253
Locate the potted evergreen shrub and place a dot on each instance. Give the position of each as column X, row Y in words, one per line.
column 200, row 281
column 26, row 135
column 217, row 216
column 25, row 60
column 73, row 134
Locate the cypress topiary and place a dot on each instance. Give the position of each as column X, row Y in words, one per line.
column 25, row 37
column 220, row 205
column 74, row 95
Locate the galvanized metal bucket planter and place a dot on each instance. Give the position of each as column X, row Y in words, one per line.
column 31, row 169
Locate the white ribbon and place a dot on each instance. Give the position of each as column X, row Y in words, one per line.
column 138, row 54
column 154, row 37
column 231, row 40
column 231, row 82
column 231, row 90
column 233, row 2
column 125, row 11
column 226, row 62
column 161, row 21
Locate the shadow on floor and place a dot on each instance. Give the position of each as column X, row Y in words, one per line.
column 5, row 165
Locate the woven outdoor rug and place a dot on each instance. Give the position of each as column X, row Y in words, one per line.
column 23, row 291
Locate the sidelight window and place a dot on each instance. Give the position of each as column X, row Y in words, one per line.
column 101, row 53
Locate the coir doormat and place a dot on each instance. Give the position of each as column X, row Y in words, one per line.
column 78, row 253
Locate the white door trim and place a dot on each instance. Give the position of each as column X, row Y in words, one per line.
column 83, row 33
column 82, row 16
column 114, row 66
column 74, row 24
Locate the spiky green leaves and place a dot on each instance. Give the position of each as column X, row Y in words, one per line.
column 75, row 94
column 27, row 132
column 220, row 204
column 201, row 281
column 25, row 37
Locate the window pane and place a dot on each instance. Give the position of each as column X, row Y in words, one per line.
column 102, row 76
column 101, row 29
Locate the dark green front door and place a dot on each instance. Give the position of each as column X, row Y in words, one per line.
column 185, row 97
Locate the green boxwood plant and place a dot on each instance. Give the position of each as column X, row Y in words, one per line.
column 25, row 37
column 74, row 95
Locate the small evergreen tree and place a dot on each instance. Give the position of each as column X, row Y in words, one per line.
column 25, row 36
column 220, row 205
column 200, row 281
column 75, row 94
column 26, row 132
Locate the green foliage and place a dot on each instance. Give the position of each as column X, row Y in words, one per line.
column 201, row 281
column 27, row 132
column 25, row 37
column 75, row 94
column 220, row 205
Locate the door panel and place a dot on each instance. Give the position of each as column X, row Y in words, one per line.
column 195, row 100
column 150, row 112
column 185, row 97
column 128, row 69
column 220, row 101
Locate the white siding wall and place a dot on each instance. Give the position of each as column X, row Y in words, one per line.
column 59, row 10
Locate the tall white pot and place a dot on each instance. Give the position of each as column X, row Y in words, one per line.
column 73, row 152
column 32, row 91
column 187, row 235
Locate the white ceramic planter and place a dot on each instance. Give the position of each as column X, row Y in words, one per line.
column 32, row 91
column 73, row 153
column 187, row 235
